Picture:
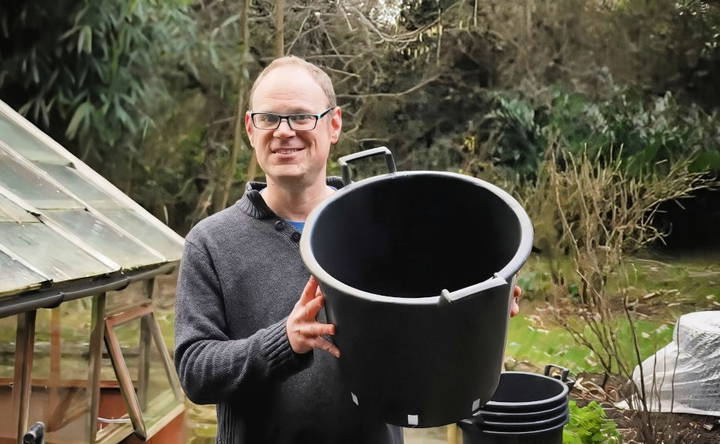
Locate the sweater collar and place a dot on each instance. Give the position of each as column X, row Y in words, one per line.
column 254, row 205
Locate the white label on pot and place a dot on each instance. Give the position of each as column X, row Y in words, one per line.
column 354, row 398
column 413, row 420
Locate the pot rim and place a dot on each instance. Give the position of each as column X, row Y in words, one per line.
column 489, row 414
column 550, row 428
column 514, row 406
column 502, row 277
column 499, row 426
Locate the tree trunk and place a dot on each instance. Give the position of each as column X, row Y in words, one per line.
column 228, row 175
column 279, row 51
column 279, row 18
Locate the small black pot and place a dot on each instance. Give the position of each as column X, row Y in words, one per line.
column 526, row 408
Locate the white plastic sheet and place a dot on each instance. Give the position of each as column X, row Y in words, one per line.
column 684, row 376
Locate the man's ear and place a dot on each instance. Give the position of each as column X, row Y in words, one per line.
column 335, row 125
column 249, row 128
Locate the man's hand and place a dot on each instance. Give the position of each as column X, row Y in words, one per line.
column 303, row 330
column 515, row 309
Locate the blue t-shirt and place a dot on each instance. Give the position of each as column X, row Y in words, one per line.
column 297, row 225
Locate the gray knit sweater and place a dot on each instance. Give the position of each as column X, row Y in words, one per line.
column 240, row 276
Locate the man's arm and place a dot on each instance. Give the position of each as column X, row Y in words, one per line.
column 211, row 366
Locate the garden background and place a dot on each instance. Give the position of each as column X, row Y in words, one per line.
column 601, row 116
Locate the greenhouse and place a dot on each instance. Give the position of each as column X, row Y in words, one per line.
column 81, row 351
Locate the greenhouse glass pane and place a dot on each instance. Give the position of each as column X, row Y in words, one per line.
column 71, row 179
column 14, row 276
column 52, row 254
column 10, row 212
column 146, row 232
column 145, row 364
column 26, row 144
column 103, row 238
column 30, row 186
column 8, row 424
column 61, row 365
column 160, row 398
column 8, row 328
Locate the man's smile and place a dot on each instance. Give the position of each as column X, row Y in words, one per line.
column 286, row 150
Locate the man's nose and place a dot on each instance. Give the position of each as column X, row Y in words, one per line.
column 284, row 129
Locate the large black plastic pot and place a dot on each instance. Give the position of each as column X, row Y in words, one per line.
column 526, row 408
column 417, row 270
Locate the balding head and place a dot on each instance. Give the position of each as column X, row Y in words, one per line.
column 322, row 79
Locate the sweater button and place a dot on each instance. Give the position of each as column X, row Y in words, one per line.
column 280, row 225
column 295, row 236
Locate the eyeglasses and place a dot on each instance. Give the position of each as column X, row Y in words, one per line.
column 296, row 122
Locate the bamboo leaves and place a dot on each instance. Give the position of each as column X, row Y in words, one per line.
column 84, row 43
column 81, row 115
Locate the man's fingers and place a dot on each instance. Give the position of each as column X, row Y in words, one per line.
column 312, row 308
column 517, row 292
column 514, row 307
column 309, row 336
column 309, row 291
column 304, row 331
column 316, row 329
column 323, row 344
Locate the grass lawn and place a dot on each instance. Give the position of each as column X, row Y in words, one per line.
column 536, row 342
column 664, row 289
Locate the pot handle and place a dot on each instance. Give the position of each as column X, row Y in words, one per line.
column 344, row 161
column 564, row 374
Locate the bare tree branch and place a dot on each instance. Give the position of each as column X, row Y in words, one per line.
column 397, row 94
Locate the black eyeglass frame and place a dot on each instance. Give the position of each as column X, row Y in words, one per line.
column 287, row 117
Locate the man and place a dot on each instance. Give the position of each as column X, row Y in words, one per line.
column 248, row 315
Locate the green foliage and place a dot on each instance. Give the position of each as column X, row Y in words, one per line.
column 471, row 87
column 511, row 127
column 89, row 70
column 590, row 425
column 647, row 133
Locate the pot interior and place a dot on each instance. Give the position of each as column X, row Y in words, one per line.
column 413, row 235
column 522, row 388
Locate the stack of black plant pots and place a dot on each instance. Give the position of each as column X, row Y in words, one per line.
column 526, row 408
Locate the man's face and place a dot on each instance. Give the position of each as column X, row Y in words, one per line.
column 287, row 156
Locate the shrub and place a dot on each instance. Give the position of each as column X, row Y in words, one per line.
column 649, row 134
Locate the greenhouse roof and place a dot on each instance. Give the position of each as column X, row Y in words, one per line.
column 61, row 222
